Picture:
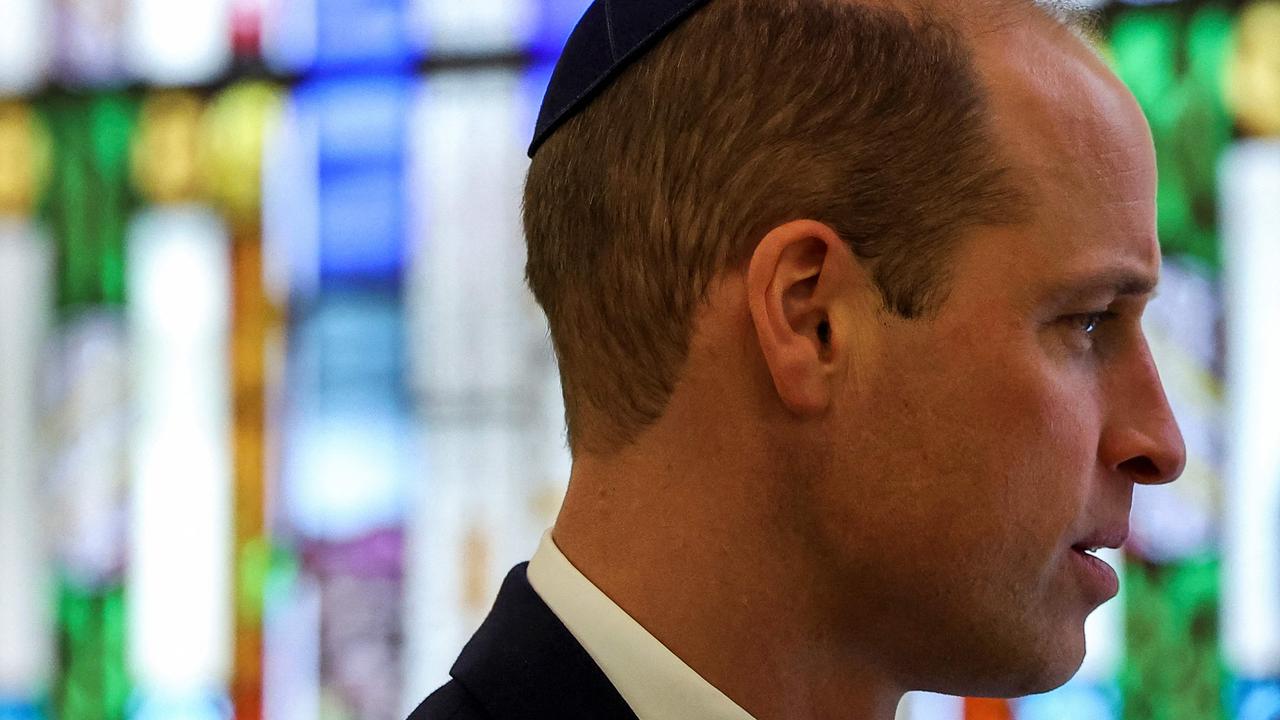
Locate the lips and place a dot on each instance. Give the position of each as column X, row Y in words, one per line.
column 1112, row 537
column 1098, row 579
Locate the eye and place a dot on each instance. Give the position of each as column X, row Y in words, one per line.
column 1091, row 322
column 1086, row 326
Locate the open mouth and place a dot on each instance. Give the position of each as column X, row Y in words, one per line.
column 1095, row 573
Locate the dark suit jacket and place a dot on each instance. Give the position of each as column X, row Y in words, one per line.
column 523, row 663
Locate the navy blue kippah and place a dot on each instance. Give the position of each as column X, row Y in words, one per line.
column 610, row 35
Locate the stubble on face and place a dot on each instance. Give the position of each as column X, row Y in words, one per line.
column 961, row 468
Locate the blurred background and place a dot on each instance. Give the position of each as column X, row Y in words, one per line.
column 277, row 413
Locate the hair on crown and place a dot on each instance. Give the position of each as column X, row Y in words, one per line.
column 612, row 34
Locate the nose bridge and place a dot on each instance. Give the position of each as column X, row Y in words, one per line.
column 1146, row 441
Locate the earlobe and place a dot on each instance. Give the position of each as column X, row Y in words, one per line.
column 792, row 281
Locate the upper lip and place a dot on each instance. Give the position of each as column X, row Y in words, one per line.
column 1104, row 538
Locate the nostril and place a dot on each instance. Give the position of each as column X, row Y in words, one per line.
column 1142, row 467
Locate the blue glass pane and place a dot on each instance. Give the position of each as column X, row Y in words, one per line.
column 361, row 225
column 363, row 33
column 212, row 706
column 289, row 40
column 1257, row 700
column 18, row 710
column 361, row 128
column 557, row 21
column 534, row 88
column 328, row 35
column 348, row 458
column 361, row 119
column 1070, row 702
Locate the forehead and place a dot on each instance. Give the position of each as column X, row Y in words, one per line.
column 1079, row 144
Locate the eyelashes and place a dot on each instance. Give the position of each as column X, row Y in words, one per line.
column 1092, row 322
column 1085, row 329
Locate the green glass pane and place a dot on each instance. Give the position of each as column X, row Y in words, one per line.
column 1200, row 135
column 1145, row 44
column 253, row 571
column 1210, row 45
column 1173, row 667
column 1175, row 59
column 94, row 682
column 88, row 200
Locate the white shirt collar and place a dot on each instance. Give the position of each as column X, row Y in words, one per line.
column 653, row 681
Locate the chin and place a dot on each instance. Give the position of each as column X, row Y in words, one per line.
column 1050, row 669
column 1052, row 679
column 1020, row 666
column 1016, row 682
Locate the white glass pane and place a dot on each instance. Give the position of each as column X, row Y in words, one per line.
column 452, row 27
column 475, row 330
column 471, row 523
column 26, row 629
column 482, row 367
column 179, row 571
column 1251, row 522
column 1174, row 522
column 930, row 706
column 291, row 654
column 26, row 44
column 1104, row 631
column 90, row 45
column 177, row 43
column 88, row 470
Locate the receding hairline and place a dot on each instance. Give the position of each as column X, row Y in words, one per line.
column 979, row 17
column 1074, row 16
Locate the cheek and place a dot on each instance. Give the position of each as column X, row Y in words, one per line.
column 952, row 487
column 948, row 467
column 1013, row 444
column 1042, row 439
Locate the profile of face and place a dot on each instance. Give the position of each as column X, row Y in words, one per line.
column 970, row 455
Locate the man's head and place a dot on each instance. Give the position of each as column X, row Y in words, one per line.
column 887, row 261
column 749, row 115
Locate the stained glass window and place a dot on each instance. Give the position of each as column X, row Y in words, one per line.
column 286, row 412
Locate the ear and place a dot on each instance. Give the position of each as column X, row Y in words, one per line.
column 797, row 275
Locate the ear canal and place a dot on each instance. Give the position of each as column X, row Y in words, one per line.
column 824, row 332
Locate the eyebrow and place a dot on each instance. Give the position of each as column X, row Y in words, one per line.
column 1119, row 282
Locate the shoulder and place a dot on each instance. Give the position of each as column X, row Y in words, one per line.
column 450, row 702
column 524, row 664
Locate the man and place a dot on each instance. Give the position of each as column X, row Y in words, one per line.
column 846, row 296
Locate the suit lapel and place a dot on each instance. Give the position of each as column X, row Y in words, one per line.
column 524, row 663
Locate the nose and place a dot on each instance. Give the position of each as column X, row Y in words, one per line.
column 1142, row 440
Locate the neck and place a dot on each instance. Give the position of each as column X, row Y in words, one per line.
column 695, row 561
